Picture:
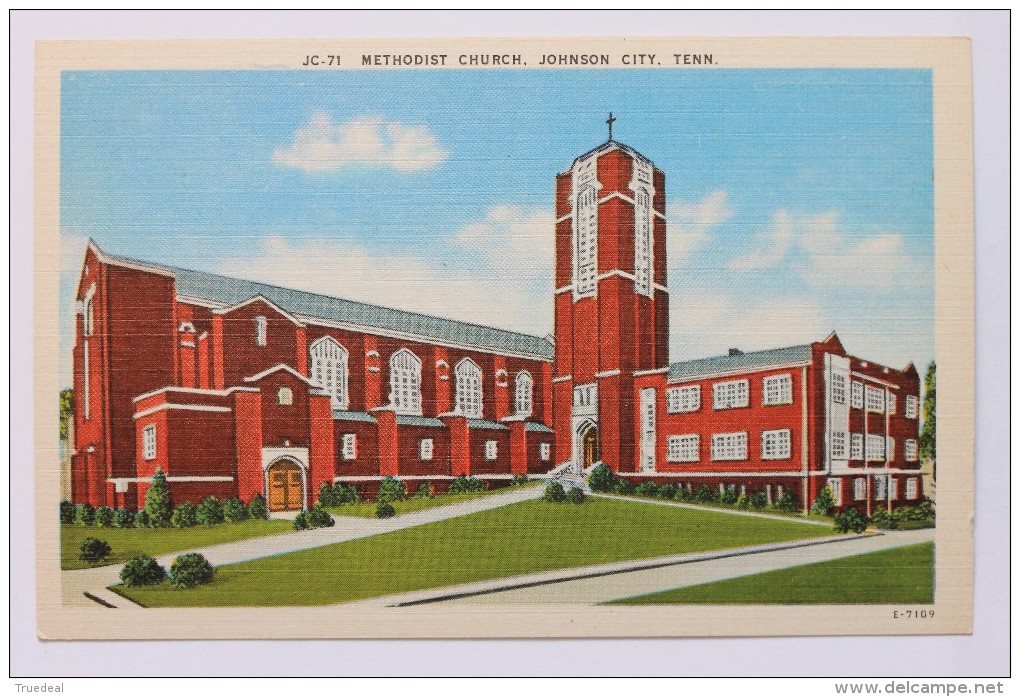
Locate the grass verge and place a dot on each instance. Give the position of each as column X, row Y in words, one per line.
column 366, row 509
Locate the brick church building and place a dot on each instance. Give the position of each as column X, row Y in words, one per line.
column 238, row 388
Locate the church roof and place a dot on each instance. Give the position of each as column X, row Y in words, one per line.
column 225, row 291
column 740, row 362
column 608, row 146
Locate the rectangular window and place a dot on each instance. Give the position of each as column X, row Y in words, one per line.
column 777, row 389
column 874, row 399
column 729, row 446
column 425, row 448
column 912, row 488
column 857, row 394
column 775, row 445
column 86, row 381
column 879, row 484
column 730, row 395
column 838, row 388
column 88, row 317
column 683, row 448
column 260, row 331
column 893, row 488
column 838, row 440
column 350, row 446
column 856, row 446
column 910, row 450
column 910, row 411
column 149, row 442
column 545, row 451
column 890, row 402
column 836, row 487
column 890, row 449
column 875, row 447
column 683, row 400
column 490, row 450
column 860, row 489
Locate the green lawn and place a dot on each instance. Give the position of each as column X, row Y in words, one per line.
column 131, row 542
column 521, row 538
column 367, row 509
column 901, row 575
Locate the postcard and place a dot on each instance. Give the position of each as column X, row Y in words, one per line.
column 503, row 338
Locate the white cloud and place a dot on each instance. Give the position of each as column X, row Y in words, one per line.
column 324, row 146
column 771, row 245
column 689, row 224
column 514, row 237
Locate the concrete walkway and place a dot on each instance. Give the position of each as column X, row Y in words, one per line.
column 593, row 585
column 74, row 584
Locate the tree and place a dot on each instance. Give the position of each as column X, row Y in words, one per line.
column 927, row 441
column 66, row 409
column 157, row 501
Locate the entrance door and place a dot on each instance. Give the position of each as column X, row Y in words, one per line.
column 590, row 447
column 285, row 490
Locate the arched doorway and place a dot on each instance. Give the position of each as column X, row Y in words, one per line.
column 590, row 446
column 285, row 486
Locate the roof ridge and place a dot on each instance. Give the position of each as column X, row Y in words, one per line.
column 743, row 353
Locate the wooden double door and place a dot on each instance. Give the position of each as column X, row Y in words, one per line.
column 286, row 491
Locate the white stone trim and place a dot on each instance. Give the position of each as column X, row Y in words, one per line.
column 137, row 266
column 564, row 289
column 875, row 380
column 568, row 216
column 280, row 366
column 562, row 378
column 141, row 480
column 376, row 369
column 608, row 373
column 256, row 298
column 188, row 344
column 194, row 390
column 186, row 327
column 180, row 407
column 714, row 474
column 628, row 199
column 653, row 371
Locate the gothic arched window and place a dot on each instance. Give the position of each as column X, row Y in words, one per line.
column 523, row 393
column 405, row 382
column 469, row 388
column 329, row 369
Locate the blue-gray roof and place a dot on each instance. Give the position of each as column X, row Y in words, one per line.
column 232, row 291
column 610, row 145
column 353, row 416
column 533, row 427
column 409, row 420
column 482, row 423
column 752, row 360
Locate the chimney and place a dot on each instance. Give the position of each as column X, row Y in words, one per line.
column 736, row 352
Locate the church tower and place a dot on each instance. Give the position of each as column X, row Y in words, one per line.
column 612, row 306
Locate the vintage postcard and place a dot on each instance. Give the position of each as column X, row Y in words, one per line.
column 503, row 338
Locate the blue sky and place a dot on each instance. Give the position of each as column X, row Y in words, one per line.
column 799, row 201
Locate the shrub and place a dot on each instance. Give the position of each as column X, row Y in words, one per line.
column 850, row 520
column 84, row 515
column 327, row 495
column 210, row 511
column 93, row 550
column 67, row 510
column 729, row 495
column 667, row 491
column 884, row 521
column 824, row 503
column 650, row 489
column 346, row 494
column 123, row 518
column 157, row 501
column 683, row 493
column 234, row 511
column 184, row 516
column 624, row 487
column 301, row 521
column 520, row 479
column 575, row 495
column 424, row 491
column 601, row 478
column 142, row 571
column 554, row 493
column 743, row 501
column 758, row 500
column 104, row 517
column 390, row 489
column 704, row 494
column 141, row 519
column 257, row 509
column 786, row 502
column 384, row 509
column 465, row 485
column 190, row 570
column 317, row 517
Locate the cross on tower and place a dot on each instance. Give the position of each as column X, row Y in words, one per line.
column 610, row 121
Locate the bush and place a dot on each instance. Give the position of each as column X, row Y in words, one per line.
column 210, row 511
column 67, row 510
column 384, row 510
column 424, row 491
column 729, row 495
column 667, row 491
column 317, row 517
column 301, row 521
column 649, row 489
column 104, row 517
column 850, row 520
column 704, row 494
column 554, row 493
column 623, row 487
column 190, row 570
column 234, row 511
column 157, row 501
column 123, row 518
column 346, row 494
column 743, row 501
column 758, row 501
column 84, row 515
column 683, row 493
column 257, row 509
column 465, row 485
column 327, row 495
column 884, row 521
column 390, row 489
column 520, row 479
column 142, row 571
column 601, row 478
column 824, row 503
column 184, row 516
column 141, row 519
column 575, row 495
column 786, row 502
column 94, row 550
